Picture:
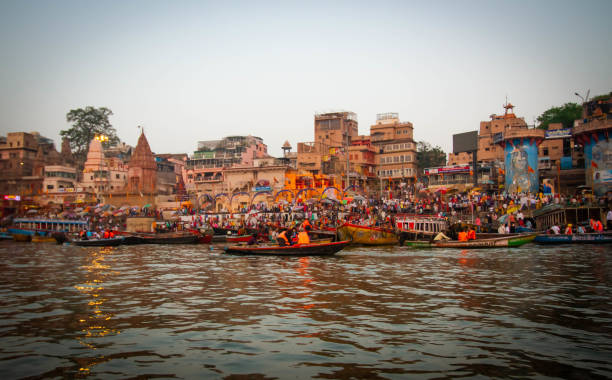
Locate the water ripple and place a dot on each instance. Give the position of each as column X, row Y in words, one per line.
column 192, row 312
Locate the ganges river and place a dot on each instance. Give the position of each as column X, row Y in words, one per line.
column 193, row 312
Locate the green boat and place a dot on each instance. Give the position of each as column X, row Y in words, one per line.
column 496, row 242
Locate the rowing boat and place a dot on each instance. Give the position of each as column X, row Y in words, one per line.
column 589, row 238
column 312, row 249
column 112, row 242
column 497, row 242
column 367, row 235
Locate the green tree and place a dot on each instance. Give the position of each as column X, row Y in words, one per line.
column 428, row 156
column 86, row 124
column 566, row 114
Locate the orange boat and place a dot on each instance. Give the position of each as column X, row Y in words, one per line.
column 367, row 235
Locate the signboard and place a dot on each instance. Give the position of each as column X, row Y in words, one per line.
column 12, row 197
column 558, row 133
column 465, row 142
column 448, row 169
column 263, row 188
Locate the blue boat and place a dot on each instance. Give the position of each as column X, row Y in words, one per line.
column 590, row 238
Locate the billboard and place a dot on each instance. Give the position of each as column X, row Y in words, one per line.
column 558, row 133
column 521, row 162
column 465, row 142
column 598, row 162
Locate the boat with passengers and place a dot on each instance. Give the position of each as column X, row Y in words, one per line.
column 45, row 227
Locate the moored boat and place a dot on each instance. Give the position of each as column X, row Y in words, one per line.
column 366, row 235
column 509, row 241
column 112, row 242
column 588, row 238
column 238, row 238
column 43, row 239
column 312, row 249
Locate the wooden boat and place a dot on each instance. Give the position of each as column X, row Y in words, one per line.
column 22, row 238
column 496, row 242
column 367, row 235
column 161, row 238
column 238, row 238
column 5, row 236
column 43, row 239
column 313, row 249
column 112, row 242
column 588, row 238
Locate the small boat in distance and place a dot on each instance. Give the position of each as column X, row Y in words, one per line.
column 312, row 249
column 112, row 242
column 588, row 238
column 509, row 241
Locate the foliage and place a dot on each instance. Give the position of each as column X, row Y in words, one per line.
column 86, row 124
column 428, row 156
column 566, row 114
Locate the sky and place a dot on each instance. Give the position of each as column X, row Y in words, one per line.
column 195, row 70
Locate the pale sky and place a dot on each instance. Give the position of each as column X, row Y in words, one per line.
column 196, row 70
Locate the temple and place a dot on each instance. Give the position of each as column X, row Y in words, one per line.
column 142, row 172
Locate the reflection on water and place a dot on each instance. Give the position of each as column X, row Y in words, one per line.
column 189, row 312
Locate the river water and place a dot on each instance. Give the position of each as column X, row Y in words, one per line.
column 195, row 312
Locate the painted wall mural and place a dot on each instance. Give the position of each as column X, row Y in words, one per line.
column 598, row 164
column 521, row 162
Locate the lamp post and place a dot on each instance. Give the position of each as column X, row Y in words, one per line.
column 586, row 98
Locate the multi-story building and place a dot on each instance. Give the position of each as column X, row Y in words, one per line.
column 23, row 157
column 362, row 161
column 58, row 178
column 394, row 142
column 203, row 172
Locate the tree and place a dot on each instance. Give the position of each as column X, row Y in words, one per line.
column 86, row 124
column 566, row 114
column 428, row 156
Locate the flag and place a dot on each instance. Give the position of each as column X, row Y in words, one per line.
column 275, row 180
column 501, row 171
column 530, row 169
column 594, row 164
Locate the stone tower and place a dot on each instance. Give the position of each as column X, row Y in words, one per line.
column 142, row 172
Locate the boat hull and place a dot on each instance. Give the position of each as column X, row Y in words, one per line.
column 99, row 242
column 591, row 238
column 367, row 235
column 313, row 249
column 499, row 242
column 238, row 239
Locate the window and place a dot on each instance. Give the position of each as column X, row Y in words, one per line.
column 545, row 151
column 117, row 176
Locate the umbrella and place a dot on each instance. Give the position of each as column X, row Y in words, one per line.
column 147, row 205
column 31, row 212
column 502, row 219
column 124, row 207
column 359, row 198
column 78, row 209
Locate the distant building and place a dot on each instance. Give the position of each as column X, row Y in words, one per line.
column 102, row 175
column 142, row 170
column 396, row 149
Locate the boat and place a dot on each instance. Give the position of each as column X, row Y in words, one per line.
column 22, row 237
column 588, row 238
column 34, row 226
column 312, row 249
column 510, row 241
column 112, row 242
column 367, row 235
column 5, row 236
column 43, row 239
column 238, row 238
column 161, row 238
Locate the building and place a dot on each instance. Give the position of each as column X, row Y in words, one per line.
column 23, row 157
column 59, row 178
column 593, row 133
column 396, row 150
column 362, row 161
column 142, row 170
column 327, row 155
column 203, row 171
column 102, row 175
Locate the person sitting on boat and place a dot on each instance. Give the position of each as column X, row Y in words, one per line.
column 303, row 237
column 598, row 226
column 306, row 223
column 555, row 229
column 463, row 236
column 471, row 234
column 283, row 239
column 568, row 229
column 293, row 236
column 106, row 234
column 441, row 236
column 580, row 230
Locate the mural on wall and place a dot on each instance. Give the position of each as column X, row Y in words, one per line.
column 598, row 164
column 521, row 161
column 548, row 186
